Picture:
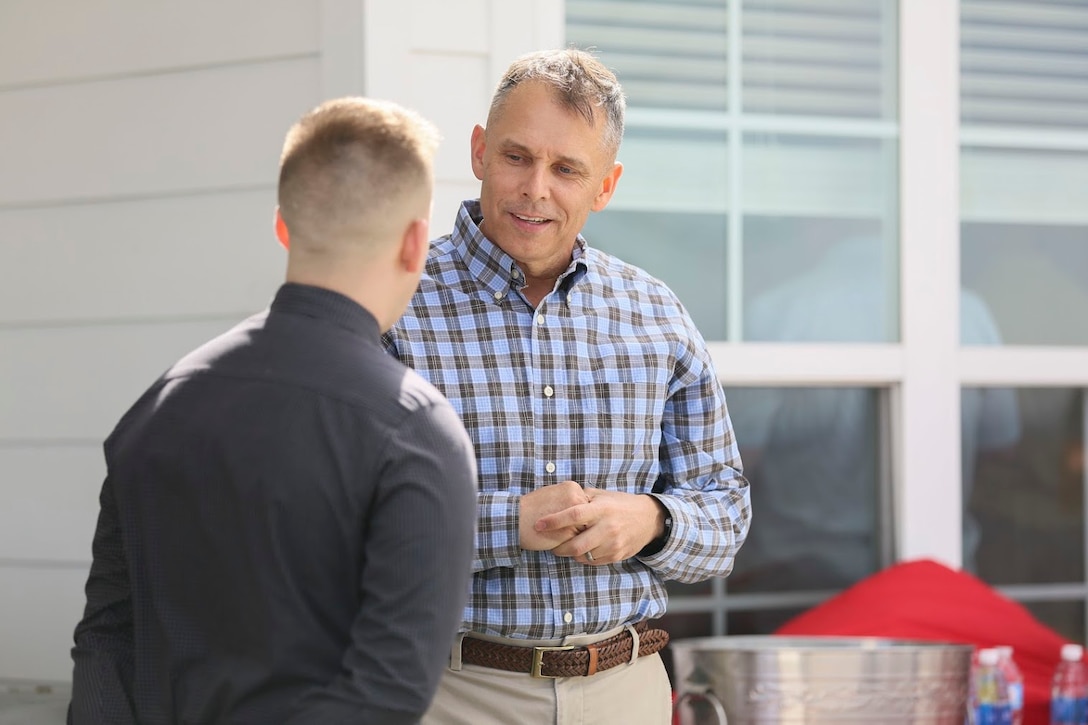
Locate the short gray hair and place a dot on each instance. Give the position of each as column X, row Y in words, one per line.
column 581, row 81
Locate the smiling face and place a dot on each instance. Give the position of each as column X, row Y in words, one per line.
column 543, row 169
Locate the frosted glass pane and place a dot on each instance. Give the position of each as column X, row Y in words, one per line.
column 1024, row 502
column 812, row 456
column 820, row 239
column 668, row 217
column 1024, row 186
column 1031, row 280
column 686, row 251
column 1024, row 236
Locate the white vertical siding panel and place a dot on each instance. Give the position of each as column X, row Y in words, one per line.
column 519, row 28
column 387, row 50
column 342, row 48
column 447, row 198
column 444, row 59
column 442, row 26
column 433, row 75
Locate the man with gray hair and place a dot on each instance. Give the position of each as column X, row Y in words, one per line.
column 286, row 524
column 606, row 455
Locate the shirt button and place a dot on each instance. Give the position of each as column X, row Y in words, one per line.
column 540, row 319
column 499, row 295
column 568, row 617
column 548, row 392
column 570, row 298
column 550, row 468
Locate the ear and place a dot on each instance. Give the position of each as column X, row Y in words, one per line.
column 608, row 187
column 281, row 231
column 415, row 245
column 479, row 145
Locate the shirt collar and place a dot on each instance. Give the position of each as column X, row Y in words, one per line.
column 324, row 304
column 493, row 268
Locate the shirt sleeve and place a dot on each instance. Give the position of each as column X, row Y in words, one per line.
column 705, row 490
column 498, row 535
column 103, row 653
column 415, row 580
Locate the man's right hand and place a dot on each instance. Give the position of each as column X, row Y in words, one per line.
column 541, row 502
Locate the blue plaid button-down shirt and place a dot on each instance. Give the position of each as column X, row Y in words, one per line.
column 607, row 383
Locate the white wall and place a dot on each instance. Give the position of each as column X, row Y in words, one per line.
column 138, row 158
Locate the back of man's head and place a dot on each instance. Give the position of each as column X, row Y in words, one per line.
column 353, row 173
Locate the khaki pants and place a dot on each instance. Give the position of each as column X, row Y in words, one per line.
column 633, row 694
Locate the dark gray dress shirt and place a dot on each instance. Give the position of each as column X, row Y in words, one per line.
column 285, row 534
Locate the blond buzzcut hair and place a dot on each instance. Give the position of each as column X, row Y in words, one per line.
column 353, row 172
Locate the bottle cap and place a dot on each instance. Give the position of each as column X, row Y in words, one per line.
column 1072, row 652
column 987, row 657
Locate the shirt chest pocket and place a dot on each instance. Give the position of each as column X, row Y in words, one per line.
column 619, row 400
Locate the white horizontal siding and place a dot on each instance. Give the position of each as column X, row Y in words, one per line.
column 200, row 255
column 54, row 41
column 149, row 136
column 63, row 383
column 41, row 607
column 139, row 148
column 50, row 501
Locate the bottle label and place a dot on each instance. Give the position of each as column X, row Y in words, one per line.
column 1068, row 710
column 988, row 713
column 1016, row 696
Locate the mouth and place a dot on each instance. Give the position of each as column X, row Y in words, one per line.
column 531, row 220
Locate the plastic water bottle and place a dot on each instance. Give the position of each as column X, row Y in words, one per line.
column 989, row 701
column 1069, row 693
column 1014, row 682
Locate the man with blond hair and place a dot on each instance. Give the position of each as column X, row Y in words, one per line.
column 286, row 524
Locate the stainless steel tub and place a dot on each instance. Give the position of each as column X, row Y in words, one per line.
column 751, row 680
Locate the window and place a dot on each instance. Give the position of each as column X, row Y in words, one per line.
column 767, row 182
column 1024, row 510
column 1024, row 271
column 760, row 159
column 761, row 184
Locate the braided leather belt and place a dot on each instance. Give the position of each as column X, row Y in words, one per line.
column 564, row 660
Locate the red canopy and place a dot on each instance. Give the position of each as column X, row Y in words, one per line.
column 926, row 600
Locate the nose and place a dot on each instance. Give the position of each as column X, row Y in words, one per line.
column 536, row 182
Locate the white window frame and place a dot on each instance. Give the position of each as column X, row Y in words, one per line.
column 927, row 370
column 921, row 371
